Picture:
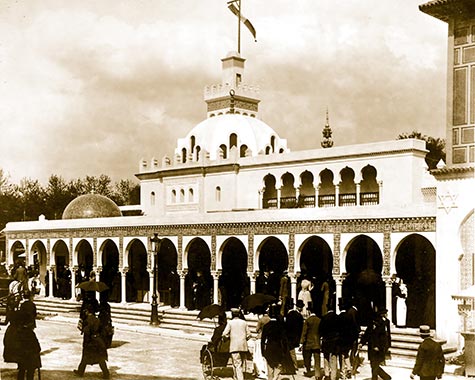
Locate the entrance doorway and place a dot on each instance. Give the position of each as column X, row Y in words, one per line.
column 233, row 282
column 363, row 284
column 110, row 274
column 198, row 281
column 273, row 262
column 168, row 280
column 415, row 266
column 316, row 265
column 137, row 278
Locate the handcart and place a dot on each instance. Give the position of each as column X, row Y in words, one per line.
column 215, row 364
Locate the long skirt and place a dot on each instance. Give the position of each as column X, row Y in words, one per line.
column 401, row 311
column 260, row 363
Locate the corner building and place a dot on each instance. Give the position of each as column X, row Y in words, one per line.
column 234, row 204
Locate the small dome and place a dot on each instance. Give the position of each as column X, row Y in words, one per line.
column 91, row 206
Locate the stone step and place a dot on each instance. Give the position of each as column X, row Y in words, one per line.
column 404, row 341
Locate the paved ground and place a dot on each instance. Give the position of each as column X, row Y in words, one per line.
column 139, row 353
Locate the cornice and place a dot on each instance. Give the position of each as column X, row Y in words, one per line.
column 270, row 227
column 456, row 172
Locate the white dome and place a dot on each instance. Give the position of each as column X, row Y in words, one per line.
column 212, row 133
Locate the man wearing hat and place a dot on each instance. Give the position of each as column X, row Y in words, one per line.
column 378, row 337
column 430, row 361
column 238, row 333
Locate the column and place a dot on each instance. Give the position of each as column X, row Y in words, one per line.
column 216, row 275
column 389, row 305
column 51, row 276
column 98, row 271
column 293, row 285
column 182, row 274
column 278, row 197
column 298, row 203
column 358, row 190
column 339, row 287
column 260, row 197
column 317, row 193
column 123, row 285
column 73, row 283
column 252, row 277
column 380, row 183
column 337, row 195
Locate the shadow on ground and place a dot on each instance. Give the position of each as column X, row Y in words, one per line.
column 11, row 374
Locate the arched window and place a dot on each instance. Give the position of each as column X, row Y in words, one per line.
column 218, row 194
column 347, row 193
column 307, row 190
column 182, row 196
column 287, row 192
column 198, row 151
column 326, row 196
column 232, row 140
column 192, row 143
column 269, row 197
column 272, row 143
column 190, row 195
column 243, row 150
column 152, row 198
column 224, row 151
column 268, row 151
column 173, row 196
column 183, row 155
column 369, row 187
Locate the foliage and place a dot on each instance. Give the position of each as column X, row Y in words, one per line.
column 435, row 146
column 29, row 199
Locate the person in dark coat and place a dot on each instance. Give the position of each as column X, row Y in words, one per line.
column 293, row 328
column 29, row 308
column 310, row 340
column 349, row 334
column 330, row 342
column 105, row 318
column 21, row 346
column 275, row 346
column 430, row 361
column 378, row 338
column 216, row 338
column 94, row 350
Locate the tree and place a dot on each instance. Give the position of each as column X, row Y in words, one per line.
column 435, row 146
column 125, row 192
column 58, row 196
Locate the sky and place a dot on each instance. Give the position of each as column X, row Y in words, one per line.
column 93, row 87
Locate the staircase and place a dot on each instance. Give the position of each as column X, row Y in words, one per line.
column 404, row 341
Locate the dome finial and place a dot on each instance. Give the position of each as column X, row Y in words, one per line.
column 327, row 141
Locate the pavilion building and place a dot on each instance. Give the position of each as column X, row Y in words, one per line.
column 234, row 204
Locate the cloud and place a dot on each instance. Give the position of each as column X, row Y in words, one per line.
column 93, row 87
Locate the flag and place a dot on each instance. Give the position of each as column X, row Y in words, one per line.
column 244, row 20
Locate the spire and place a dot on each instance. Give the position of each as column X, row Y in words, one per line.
column 327, row 141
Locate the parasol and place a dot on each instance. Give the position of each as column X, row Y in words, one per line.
column 256, row 301
column 211, row 311
column 92, row 286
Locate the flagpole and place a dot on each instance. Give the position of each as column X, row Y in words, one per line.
column 239, row 27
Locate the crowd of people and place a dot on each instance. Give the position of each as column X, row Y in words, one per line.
column 337, row 338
